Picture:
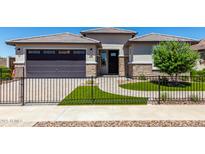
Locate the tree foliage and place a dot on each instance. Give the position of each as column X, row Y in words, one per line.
column 174, row 58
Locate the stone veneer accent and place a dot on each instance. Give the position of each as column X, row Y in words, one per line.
column 141, row 69
column 19, row 70
column 91, row 70
column 123, row 61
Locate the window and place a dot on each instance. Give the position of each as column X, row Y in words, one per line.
column 49, row 52
column 103, row 58
column 63, row 52
column 34, row 52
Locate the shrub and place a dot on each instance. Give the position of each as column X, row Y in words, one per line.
column 174, row 58
column 142, row 77
column 164, row 97
column 198, row 76
column 5, row 73
column 194, row 98
column 184, row 78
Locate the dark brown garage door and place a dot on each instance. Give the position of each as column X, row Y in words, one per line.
column 55, row 63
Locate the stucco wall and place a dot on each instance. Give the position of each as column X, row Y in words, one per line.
column 123, row 51
column 111, row 38
column 141, row 53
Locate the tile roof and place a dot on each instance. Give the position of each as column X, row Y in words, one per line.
column 55, row 38
column 199, row 46
column 111, row 30
column 155, row 37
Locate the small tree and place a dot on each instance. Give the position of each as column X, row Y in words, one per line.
column 174, row 58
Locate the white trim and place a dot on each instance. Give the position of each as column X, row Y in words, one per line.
column 19, row 62
column 141, row 62
column 91, row 62
column 123, row 56
column 155, row 68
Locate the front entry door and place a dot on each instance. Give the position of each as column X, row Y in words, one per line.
column 113, row 61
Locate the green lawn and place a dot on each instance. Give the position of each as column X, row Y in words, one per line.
column 149, row 86
column 83, row 96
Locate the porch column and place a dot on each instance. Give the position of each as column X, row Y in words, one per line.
column 91, row 69
column 123, row 65
column 19, row 70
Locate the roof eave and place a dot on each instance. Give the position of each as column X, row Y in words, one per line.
column 163, row 41
column 14, row 43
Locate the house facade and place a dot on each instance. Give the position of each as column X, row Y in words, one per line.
column 95, row 52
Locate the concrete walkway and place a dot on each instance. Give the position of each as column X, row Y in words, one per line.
column 111, row 85
column 29, row 115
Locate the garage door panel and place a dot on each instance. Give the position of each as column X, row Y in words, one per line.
column 44, row 62
column 55, row 69
column 54, row 74
column 74, row 66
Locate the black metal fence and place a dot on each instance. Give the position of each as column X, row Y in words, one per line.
column 102, row 90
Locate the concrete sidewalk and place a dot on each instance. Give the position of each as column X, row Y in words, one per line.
column 29, row 115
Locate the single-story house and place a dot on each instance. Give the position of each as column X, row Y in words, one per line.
column 94, row 52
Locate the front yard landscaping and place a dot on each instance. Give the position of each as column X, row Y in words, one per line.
column 88, row 95
column 153, row 86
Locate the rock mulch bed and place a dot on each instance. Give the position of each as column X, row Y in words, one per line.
column 177, row 103
column 147, row 123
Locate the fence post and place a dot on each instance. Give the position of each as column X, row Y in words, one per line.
column 22, row 88
column 92, row 89
column 159, row 89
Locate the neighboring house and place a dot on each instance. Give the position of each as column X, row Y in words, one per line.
column 200, row 47
column 95, row 52
column 7, row 62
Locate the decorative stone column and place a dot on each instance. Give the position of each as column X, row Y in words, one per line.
column 91, row 70
column 20, row 70
column 123, row 65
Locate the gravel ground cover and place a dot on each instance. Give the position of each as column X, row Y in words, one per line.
column 147, row 123
column 181, row 102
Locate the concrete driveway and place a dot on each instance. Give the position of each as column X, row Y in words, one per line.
column 50, row 90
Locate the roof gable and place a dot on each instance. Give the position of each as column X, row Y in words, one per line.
column 155, row 37
column 55, row 38
column 107, row 30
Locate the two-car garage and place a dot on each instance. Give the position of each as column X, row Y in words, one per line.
column 56, row 63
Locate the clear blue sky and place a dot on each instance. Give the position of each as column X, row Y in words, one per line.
column 8, row 33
